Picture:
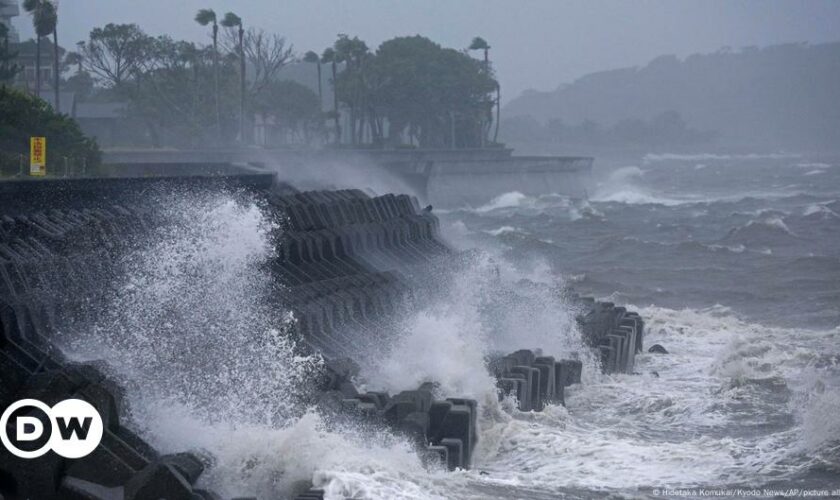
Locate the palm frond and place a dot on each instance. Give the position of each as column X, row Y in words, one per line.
column 230, row 20
column 205, row 17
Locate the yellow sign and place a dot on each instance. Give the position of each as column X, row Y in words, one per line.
column 38, row 156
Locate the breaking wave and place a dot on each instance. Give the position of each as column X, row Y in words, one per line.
column 768, row 231
column 625, row 185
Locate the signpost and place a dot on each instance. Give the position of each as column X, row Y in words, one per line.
column 38, row 156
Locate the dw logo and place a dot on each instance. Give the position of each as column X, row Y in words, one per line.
column 72, row 428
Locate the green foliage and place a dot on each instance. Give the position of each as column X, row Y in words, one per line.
column 23, row 116
column 116, row 52
column 205, row 17
column 479, row 43
column 230, row 20
column 440, row 97
column 44, row 15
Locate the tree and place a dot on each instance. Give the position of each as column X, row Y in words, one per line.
column 351, row 86
column 23, row 116
column 44, row 19
column 312, row 57
column 329, row 57
column 232, row 21
column 175, row 93
column 8, row 68
column 428, row 91
column 265, row 53
column 205, row 17
column 115, row 53
column 81, row 83
column 293, row 108
column 479, row 43
column 74, row 58
column 56, row 61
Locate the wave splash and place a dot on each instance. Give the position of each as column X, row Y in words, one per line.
column 197, row 286
column 626, row 185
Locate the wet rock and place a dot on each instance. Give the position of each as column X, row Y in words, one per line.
column 655, row 374
column 311, row 495
column 158, row 480
column 657, row 349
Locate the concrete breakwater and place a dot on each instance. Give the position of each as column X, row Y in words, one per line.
column 443, row 177
column 347, row 262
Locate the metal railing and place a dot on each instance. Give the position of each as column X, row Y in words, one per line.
column 17, row 167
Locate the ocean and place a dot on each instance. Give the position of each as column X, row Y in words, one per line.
column 733, row 261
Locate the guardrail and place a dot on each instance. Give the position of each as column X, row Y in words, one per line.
column 17, row 167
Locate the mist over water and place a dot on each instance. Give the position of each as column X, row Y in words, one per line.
column 733, row 261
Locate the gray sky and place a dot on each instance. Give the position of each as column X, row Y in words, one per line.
column 535, row 43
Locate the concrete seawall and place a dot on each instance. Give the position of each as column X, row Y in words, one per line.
column 441, row 177
column 349, row 263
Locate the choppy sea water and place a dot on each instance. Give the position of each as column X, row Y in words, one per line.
column 733, row 261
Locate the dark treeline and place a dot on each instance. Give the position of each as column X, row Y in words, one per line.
column 778, row 97
column 159, row 91
column 413, row 90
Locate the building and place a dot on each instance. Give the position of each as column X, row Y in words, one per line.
column 26, row 58
column 8, row 10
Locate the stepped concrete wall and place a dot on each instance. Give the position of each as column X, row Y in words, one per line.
column 349, row 262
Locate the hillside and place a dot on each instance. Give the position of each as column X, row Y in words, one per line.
column 779, row 97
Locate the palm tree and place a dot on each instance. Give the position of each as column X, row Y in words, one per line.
column 312, row 57
column 205, row 17
column 498, row 111
column 52, row 15
column 231, row 21
column 44, row 19
column 479, row 43
column 329, row 57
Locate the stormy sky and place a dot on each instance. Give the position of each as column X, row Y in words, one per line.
column 535, row 43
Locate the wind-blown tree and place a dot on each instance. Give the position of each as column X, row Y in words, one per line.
column 479, row 43
column 205, row 17
column 265, row 53
column 8, row 68
column 351, row 86
column 115, row 53
column 234, row 22
column 329, row 57
column 312, row 57
column 439, row 96
column 44, row 19
column 56, row 59
column 74, row 58
column 174, row 94
column 294, row 110
column 81, row 82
